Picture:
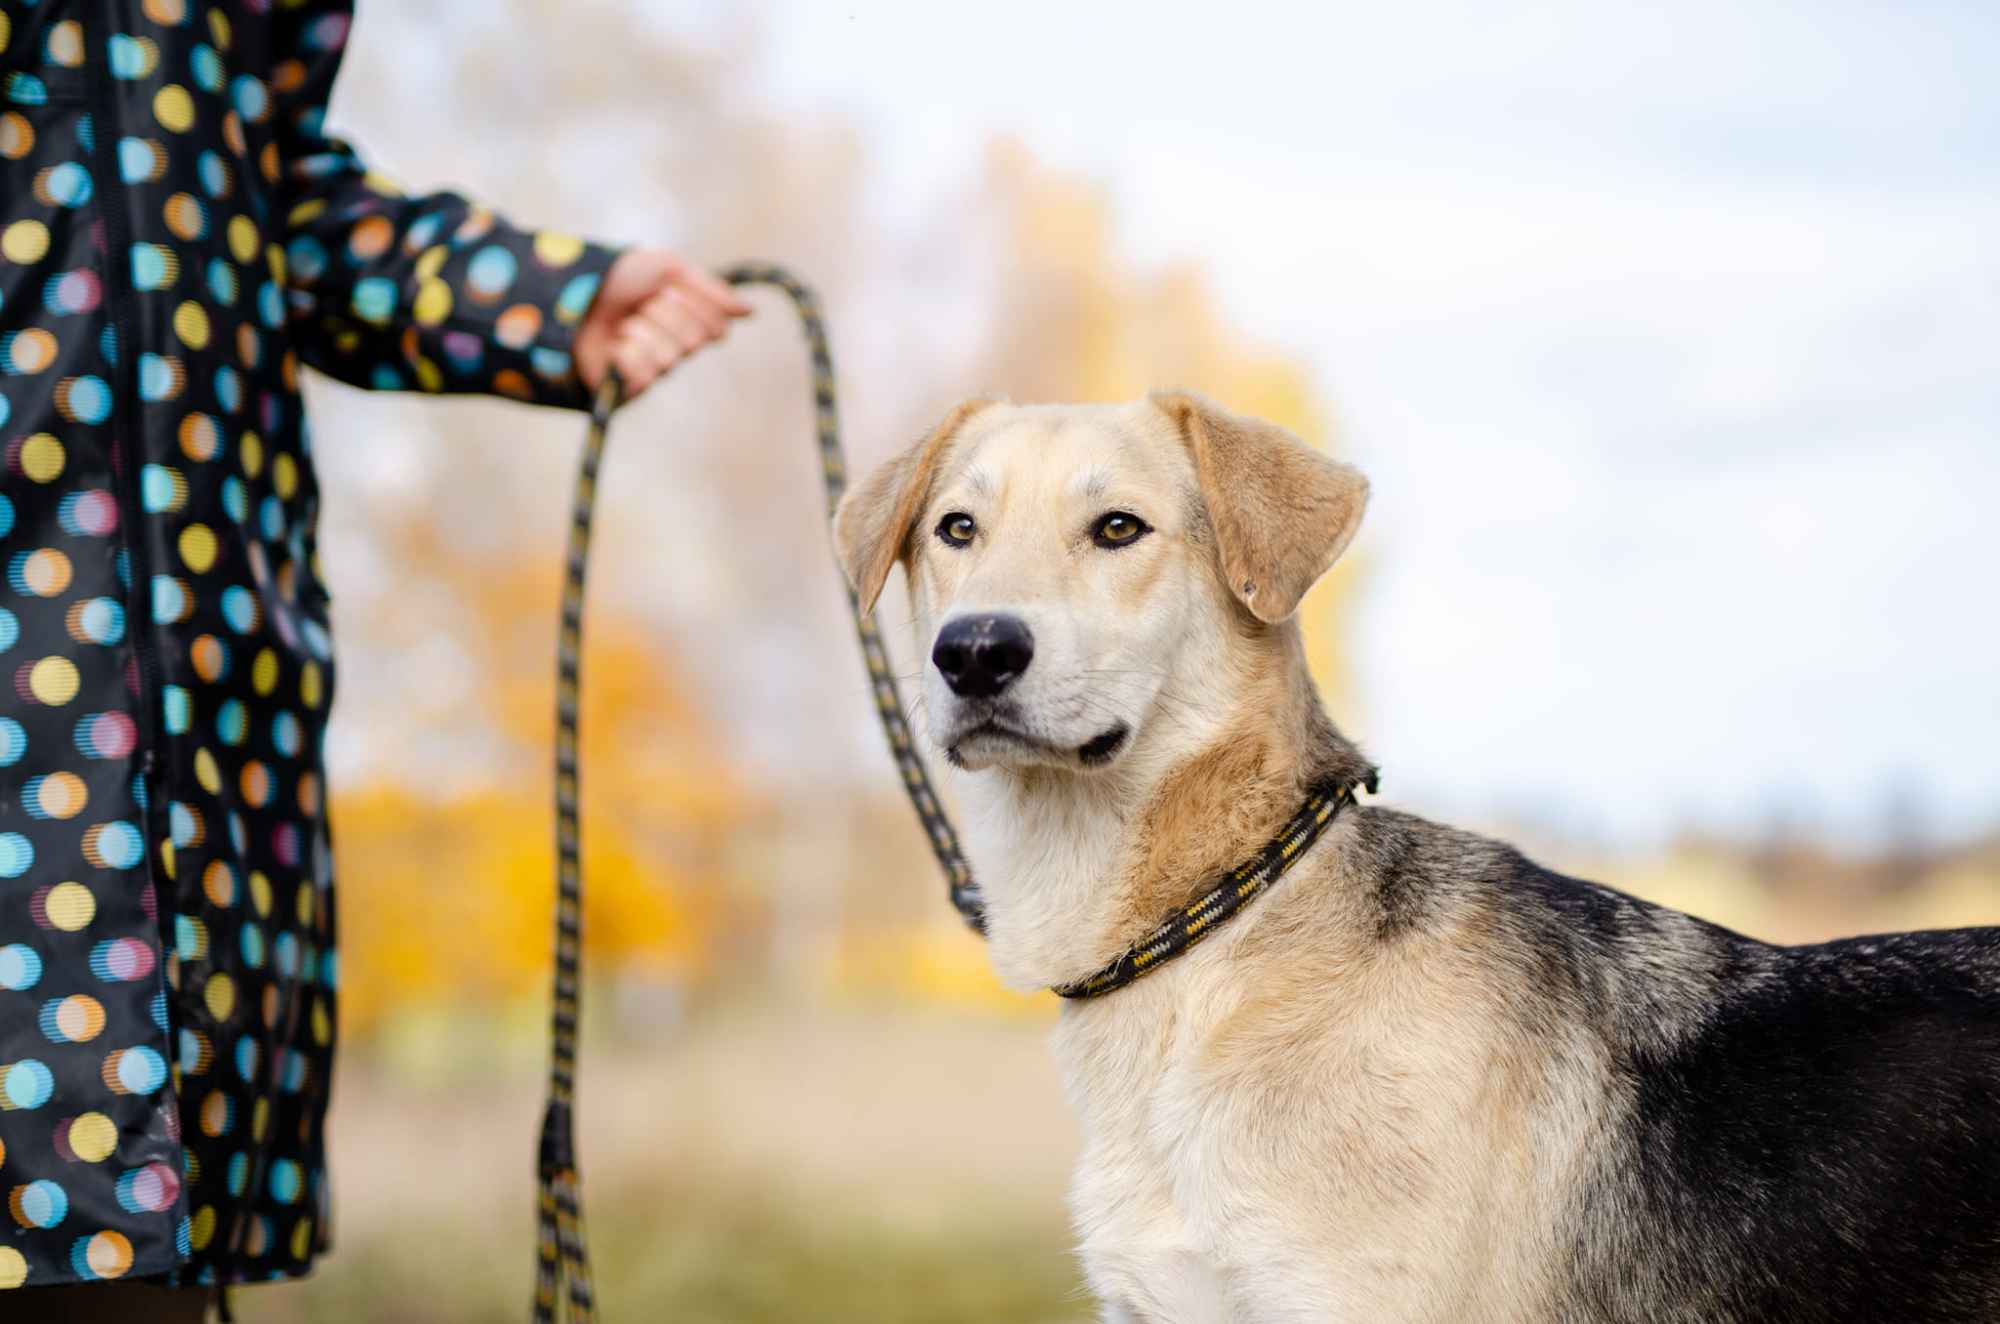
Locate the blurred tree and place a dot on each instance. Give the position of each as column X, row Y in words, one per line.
column 1906, row 854
column 447, row 892
column 1077, row 321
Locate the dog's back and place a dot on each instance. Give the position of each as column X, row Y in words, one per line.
column 1793, row 1133
column 1825, row 1146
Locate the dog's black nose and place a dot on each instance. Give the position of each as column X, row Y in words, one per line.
column 979, row 656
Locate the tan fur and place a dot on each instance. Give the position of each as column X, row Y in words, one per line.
column 1294, row 1121
column 1283, row 513
column 1243, row 788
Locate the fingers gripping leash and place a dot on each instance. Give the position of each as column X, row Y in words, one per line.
column 562, row 1257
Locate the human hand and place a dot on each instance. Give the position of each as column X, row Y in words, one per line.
column 653, row 310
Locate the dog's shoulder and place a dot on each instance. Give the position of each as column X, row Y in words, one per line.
column 1556, row 947
column 1418, row 870
column 1415, row 872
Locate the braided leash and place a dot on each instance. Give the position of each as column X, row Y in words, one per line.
column 882, row 679
column 562, row 1258
column 562, row 1270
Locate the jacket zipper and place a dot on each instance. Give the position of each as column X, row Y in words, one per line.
column 114, row 204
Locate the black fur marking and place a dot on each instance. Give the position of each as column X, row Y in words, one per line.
column 1832, row 1136
column 1814, row 1132
column 1399, row 888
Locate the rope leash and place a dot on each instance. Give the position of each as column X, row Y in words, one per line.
column 562, row 1272
column 562, row 1267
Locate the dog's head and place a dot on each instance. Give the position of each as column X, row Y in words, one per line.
column 1067, row 562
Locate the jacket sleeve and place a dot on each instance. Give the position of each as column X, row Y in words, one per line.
column 432, row 293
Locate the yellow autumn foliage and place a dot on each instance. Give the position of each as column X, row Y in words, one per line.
column 452, row 902
column 448, row 899
column 939, row 961
column 1081, row 322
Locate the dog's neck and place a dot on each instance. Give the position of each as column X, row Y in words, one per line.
column 1075, row 867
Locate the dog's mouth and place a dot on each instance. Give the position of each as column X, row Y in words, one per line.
column 1101, row 748
column 996, row 728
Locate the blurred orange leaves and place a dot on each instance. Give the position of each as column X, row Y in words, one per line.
column 449, row 898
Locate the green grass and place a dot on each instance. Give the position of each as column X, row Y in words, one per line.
column 690, row 1258
column 764, row 1161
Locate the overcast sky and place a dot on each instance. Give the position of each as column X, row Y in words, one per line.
column 1668, row 336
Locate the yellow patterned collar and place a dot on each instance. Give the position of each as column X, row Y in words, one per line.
column 1237, row 888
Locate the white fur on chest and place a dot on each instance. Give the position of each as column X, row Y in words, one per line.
column 1355, row 1181
column 1176, row 1218
column 1149, row 1249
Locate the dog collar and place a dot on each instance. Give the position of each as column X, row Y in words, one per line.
column 1237, row 889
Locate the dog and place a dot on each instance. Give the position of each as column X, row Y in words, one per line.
column 1420, row 1078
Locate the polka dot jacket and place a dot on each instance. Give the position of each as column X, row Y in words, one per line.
column 177, row 236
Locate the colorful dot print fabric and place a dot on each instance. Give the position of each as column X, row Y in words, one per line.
column 177, row 236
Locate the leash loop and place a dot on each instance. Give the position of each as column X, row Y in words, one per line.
column 562, row 1256
column 882, row 677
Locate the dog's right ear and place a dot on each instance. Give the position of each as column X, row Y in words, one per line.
column 871, row 526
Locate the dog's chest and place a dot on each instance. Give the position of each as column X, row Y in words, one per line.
column 1341, row 1175
column 1148, row 1245
column 1179, row 1214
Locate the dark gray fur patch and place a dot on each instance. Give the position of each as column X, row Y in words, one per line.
column 1798, row 1135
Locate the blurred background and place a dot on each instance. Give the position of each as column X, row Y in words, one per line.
column 1665, row 334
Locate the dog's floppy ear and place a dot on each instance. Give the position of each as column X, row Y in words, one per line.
column 1282, row 512
column 871, row 527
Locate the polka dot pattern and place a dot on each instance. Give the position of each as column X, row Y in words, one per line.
column 178, row 236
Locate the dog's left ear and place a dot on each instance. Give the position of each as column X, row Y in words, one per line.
column 871, row 526
column 1282, row 512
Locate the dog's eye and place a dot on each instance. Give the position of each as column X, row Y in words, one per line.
column 1118, row 528
column 956, row 529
